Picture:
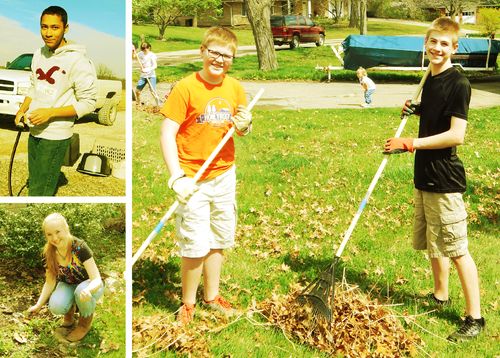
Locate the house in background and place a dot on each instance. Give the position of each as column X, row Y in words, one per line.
column 233, row 12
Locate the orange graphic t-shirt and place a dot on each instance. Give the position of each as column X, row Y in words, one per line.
column 204, row 112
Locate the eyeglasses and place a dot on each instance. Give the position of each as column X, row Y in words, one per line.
column 215, row 55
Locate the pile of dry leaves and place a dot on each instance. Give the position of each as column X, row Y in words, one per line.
column 158, row 333
column 149, row 108
column 360, row 327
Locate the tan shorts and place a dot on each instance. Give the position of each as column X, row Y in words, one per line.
column 208, row 220
column 440, row 224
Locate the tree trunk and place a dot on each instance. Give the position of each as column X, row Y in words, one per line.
column 161, row 29
column 363, row 25
column 354, row 16
column 259, row 16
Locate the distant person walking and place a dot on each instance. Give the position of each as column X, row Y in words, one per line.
column 147, row 60
column 367, row 84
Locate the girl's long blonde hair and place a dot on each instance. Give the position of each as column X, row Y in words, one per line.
column 49, row 251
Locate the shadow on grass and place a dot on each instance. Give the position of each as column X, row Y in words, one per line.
column 157, row 281
column 311, row 268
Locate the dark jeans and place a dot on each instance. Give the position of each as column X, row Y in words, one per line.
column 45, row 159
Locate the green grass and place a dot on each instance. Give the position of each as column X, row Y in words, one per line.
column 301, row 176
column 181, row 38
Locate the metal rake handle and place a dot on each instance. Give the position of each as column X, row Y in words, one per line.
column 375, row 179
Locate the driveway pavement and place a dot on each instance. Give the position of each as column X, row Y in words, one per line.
column 302, row 95
column 306, row 95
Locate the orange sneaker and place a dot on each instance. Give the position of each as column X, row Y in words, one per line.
column 186, row 314
column 220, row 304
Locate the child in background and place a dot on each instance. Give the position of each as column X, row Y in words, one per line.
column 199, row 111
column 367, row 84
column 440, row 224
column 148, row 64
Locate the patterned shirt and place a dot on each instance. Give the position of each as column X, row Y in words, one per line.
column 74, row 272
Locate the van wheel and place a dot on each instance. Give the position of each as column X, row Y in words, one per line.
column 321, row 40
column 295, row 41
column 107, row 114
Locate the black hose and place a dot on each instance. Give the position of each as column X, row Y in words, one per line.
column 11, row 164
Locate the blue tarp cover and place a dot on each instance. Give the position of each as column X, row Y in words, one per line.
column 371, row 51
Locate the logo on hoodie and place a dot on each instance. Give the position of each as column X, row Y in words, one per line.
column 47, row 76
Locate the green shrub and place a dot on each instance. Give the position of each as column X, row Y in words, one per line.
column 22, row 239
column 490, row 19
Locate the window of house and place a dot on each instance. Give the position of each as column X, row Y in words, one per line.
column 244, row 8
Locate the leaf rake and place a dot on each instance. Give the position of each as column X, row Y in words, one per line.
column 320, row 292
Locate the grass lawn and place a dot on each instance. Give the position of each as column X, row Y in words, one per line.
column 23, row 336
column 301, row 176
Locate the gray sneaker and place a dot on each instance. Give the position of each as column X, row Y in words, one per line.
column 471, row 328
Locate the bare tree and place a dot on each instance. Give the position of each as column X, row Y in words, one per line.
column 452, row 7
column 354, row 15
column 259, row 16
column 336, row 9
column 363, row 20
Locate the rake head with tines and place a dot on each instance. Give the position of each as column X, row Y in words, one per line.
column 319, row 293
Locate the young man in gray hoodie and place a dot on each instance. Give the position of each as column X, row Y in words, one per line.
column 63, row 88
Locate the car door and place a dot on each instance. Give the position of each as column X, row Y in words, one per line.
column 305, row 34
column 312, row 31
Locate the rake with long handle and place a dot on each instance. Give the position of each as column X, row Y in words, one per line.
column 153, row 91
column 197, row 177
column 320, row 292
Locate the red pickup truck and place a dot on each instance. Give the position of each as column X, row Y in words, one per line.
column 296, row 29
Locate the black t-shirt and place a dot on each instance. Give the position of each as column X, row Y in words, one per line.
column 443, row 96
column 74, row 272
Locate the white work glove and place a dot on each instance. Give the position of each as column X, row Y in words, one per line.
column 243, row 120
column 183, row 186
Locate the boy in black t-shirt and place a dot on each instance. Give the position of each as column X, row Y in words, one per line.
column 440, row 225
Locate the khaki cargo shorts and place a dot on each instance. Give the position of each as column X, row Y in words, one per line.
column 208, row 220
column 440, row 224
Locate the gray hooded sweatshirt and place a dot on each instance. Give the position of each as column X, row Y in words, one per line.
column 65, row 77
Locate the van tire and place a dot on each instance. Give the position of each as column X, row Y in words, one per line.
column 295, row 42
column 107, row 113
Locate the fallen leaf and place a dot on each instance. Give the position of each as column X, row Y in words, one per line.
column 20, row 338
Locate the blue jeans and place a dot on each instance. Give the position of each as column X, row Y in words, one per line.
column 65, row 295
column 142, row 83
column 45, row 159
column 368, row 96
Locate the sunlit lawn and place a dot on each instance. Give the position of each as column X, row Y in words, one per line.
column 301, row 177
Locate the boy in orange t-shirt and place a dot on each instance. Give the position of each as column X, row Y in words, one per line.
column 199, row 111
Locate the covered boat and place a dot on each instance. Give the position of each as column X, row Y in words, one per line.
column 407, row 51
